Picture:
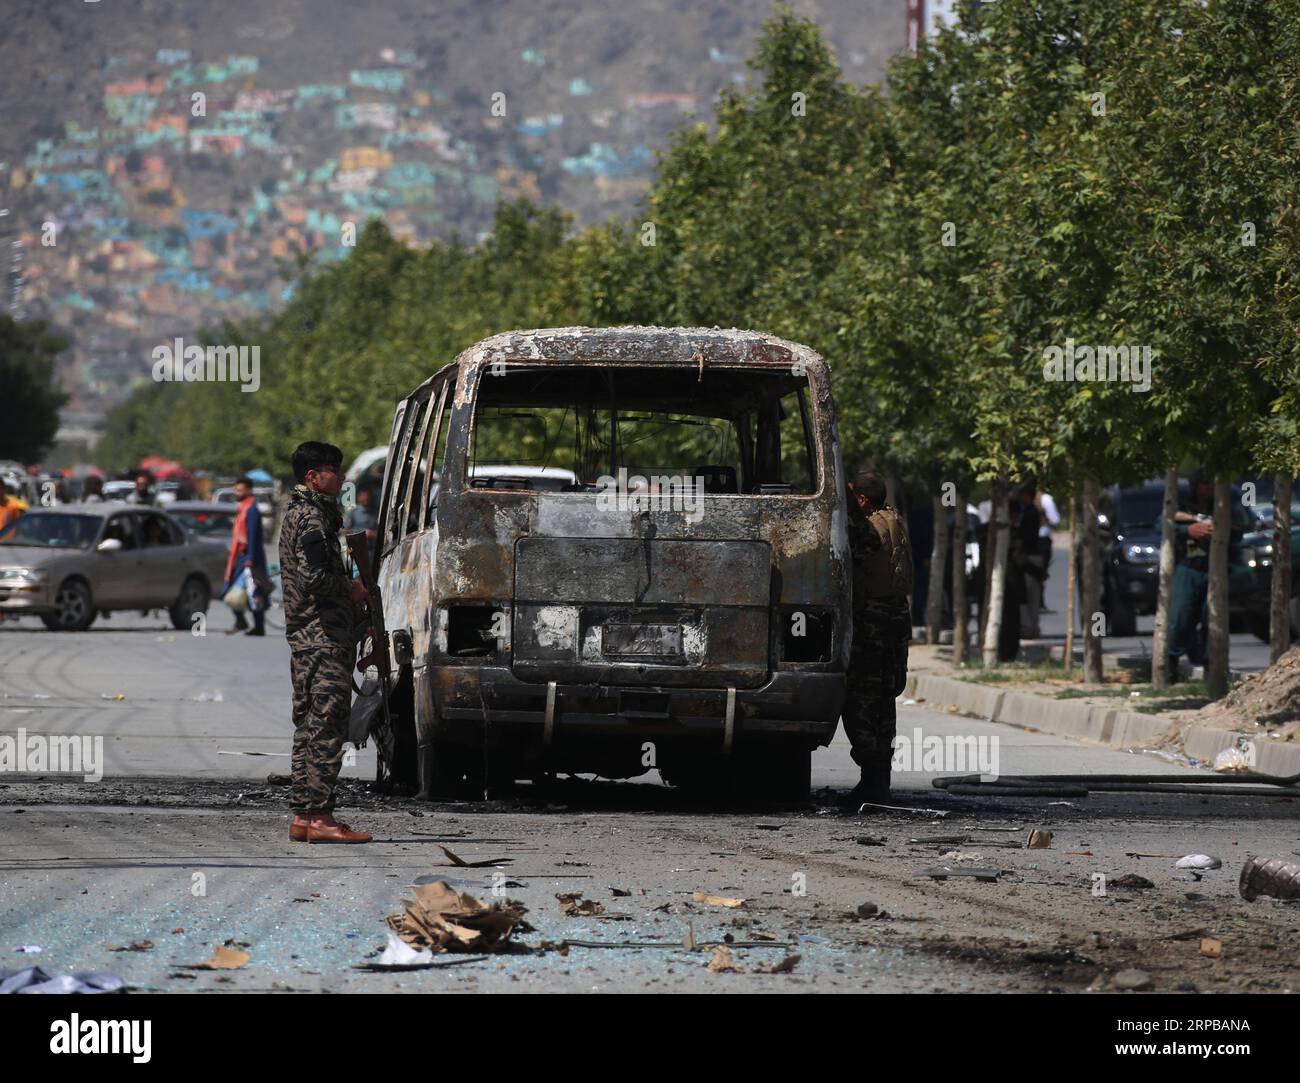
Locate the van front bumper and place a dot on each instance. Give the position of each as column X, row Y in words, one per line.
column 798, row 707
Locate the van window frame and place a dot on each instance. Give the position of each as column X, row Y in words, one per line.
column 413, row 412
column 443, row 386
column 810, row 412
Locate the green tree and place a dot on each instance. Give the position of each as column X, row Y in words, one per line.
column 32, row 396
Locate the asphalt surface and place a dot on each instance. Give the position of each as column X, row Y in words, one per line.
column 183, row 845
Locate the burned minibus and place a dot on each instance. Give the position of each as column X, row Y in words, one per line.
column 606, row 551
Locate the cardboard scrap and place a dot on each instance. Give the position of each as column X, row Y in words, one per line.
column 1211, row 948
column 1039, row 840
column 440, row 919
column 715, row 900
column 224, row 957
column 573, row 905
column 723, row 963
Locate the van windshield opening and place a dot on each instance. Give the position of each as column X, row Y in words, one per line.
column 742, row 431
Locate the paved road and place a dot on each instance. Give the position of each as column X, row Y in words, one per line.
column 184, row 846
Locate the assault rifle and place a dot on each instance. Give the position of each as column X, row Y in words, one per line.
column 383, row 733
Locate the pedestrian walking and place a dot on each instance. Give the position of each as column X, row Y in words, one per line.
column 246, row 563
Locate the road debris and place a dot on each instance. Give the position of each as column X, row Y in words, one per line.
column 442, row 920
column 573, row 905
column 33, row 979
column 961, row 855
column 1132, row 979
column 1273, row 876
column 1038, row 840
column 460, row 862
column 225, row 957
column 942, row 872
column 398, row 954
column 1231, row 760
column 939, row 813
column 29, row 949
column 1211, row 948
column 785, row 966
column 1133, row 882
column 1198, row 864
column 139, row 945
column 715, row 900
column 723, row 963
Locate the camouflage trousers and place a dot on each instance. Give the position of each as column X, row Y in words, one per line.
column 322, row 702
column 877, row 675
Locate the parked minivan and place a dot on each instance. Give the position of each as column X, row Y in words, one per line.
column 609, row 550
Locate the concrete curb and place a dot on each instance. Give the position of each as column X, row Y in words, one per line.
column 1091, row 722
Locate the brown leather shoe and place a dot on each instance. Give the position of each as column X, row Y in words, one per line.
column 328, row 829
column 298, row 829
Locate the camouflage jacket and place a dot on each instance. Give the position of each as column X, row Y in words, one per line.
column 318, row 612
column 882, row 562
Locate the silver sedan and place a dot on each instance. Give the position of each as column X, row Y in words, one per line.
column 68, row 564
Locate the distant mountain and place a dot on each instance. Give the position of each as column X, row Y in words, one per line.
column 162, row 162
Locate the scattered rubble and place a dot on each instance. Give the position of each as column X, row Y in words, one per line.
column 1274, row 876
column 227, row 956
column 573, row 905
column 715, row 900
column 440, row 919
column 33, row 979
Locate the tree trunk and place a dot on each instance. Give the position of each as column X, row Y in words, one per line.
column 1071, row 582
column 938, row 561
column 960, row 627
column 1165, row 587
column 986, row 571
column 1279, row 619
column 1216, row 652
column 999, row 546
column 1092, row 667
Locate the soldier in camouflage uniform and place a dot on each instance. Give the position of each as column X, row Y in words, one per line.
column 320, row 620
column 882, row 629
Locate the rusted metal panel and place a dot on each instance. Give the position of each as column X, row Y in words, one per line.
column 561, row 569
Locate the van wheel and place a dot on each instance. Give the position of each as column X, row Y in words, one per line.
column 73, row 609
column 194, row 598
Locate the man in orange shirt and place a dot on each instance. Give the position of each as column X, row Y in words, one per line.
column 10, row 508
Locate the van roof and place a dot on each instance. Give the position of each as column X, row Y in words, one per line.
column 633, row 345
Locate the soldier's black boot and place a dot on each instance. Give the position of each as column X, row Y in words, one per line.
column 874, row 785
